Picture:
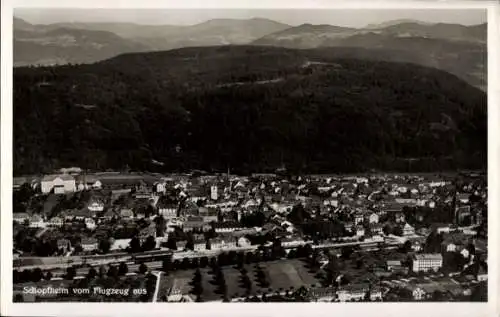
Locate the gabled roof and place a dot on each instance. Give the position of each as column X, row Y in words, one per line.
column 64, row 177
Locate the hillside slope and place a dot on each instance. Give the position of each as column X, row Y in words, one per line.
column 250, row 108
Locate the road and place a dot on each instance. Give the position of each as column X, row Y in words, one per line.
column 157, row 287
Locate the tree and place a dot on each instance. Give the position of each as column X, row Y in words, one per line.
column 203, row 262
column 406, row 247
column 143, row 268
column 122, row 269
column 70, row 273
column 149, row 244
column 112, row 271
column 135, row 245
column 25, row 275
column 347, row 252
column 37, row 275
column 167, row 265
column 104, row 245
column 92, row 273
column 102, row 271
column 172, row 242
column 18, row 298
column 16, row 277
column 48, row 276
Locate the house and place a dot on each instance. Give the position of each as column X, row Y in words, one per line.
column 377, row 228
column 417, row 246
column 408, row 230
column 360, row 231
column 147, row 232
column 243, row 242
column 376, row 293
column 463, row 198
column 181, row 244
column 167, row 208
column 90, row 223
column 199, row 243
column 126, row 213
column 173, row 289
column 224, row 242
column 353, row 292
column 396, row 266
column 322, row 294
column 86, row 182
column 20, row 217
column 36, row 222
column 349, row 226
column 482, row 273
column 427, row 262
column 160, row 187
column 208, row 214
column 195, row 224
column 418, row 293
column 59, row 184
column 373, row 218
column 64, row 244
column 399, row 217
column 358, row 218
column 228, row 226
column 96, row 206
column 108, row 215
column 331, row 202
column 89, row 244
column 55, row 222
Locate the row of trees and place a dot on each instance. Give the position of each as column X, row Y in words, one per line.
column 113, row 271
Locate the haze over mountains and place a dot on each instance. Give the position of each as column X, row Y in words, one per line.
column 458, row 49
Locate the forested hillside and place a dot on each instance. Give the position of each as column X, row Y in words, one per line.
column 247, row 108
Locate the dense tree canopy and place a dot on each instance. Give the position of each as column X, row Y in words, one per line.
column 251, row 108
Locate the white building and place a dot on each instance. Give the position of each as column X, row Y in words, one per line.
column 37, row 222
column 214, row 192
column 96, row 206
column 373, row 218
column 408, row 230
column 90, row 223
column 55, row 222
column 20, row 217
column 427, row 262
column 60, row 184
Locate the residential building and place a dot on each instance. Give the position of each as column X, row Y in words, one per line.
column 89, row 244
column 373, row 218
column 20, row 217
column 59, row 184
column 55, row 222
column 408, row 230
column 96, row 206
column 353, row 292
column 228, row 226
column 36, row 221
column 427, row 262
column 90, row 223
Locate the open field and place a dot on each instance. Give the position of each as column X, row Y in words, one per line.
column 282, row 276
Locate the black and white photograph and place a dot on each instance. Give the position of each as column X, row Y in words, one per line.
column 248, row 155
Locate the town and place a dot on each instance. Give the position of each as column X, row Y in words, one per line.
column 259, row 238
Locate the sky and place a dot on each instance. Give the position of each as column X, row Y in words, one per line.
column 341, row 17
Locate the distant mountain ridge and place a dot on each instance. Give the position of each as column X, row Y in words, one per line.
column 455, row 48
column 34, row 45
column 458, row 49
